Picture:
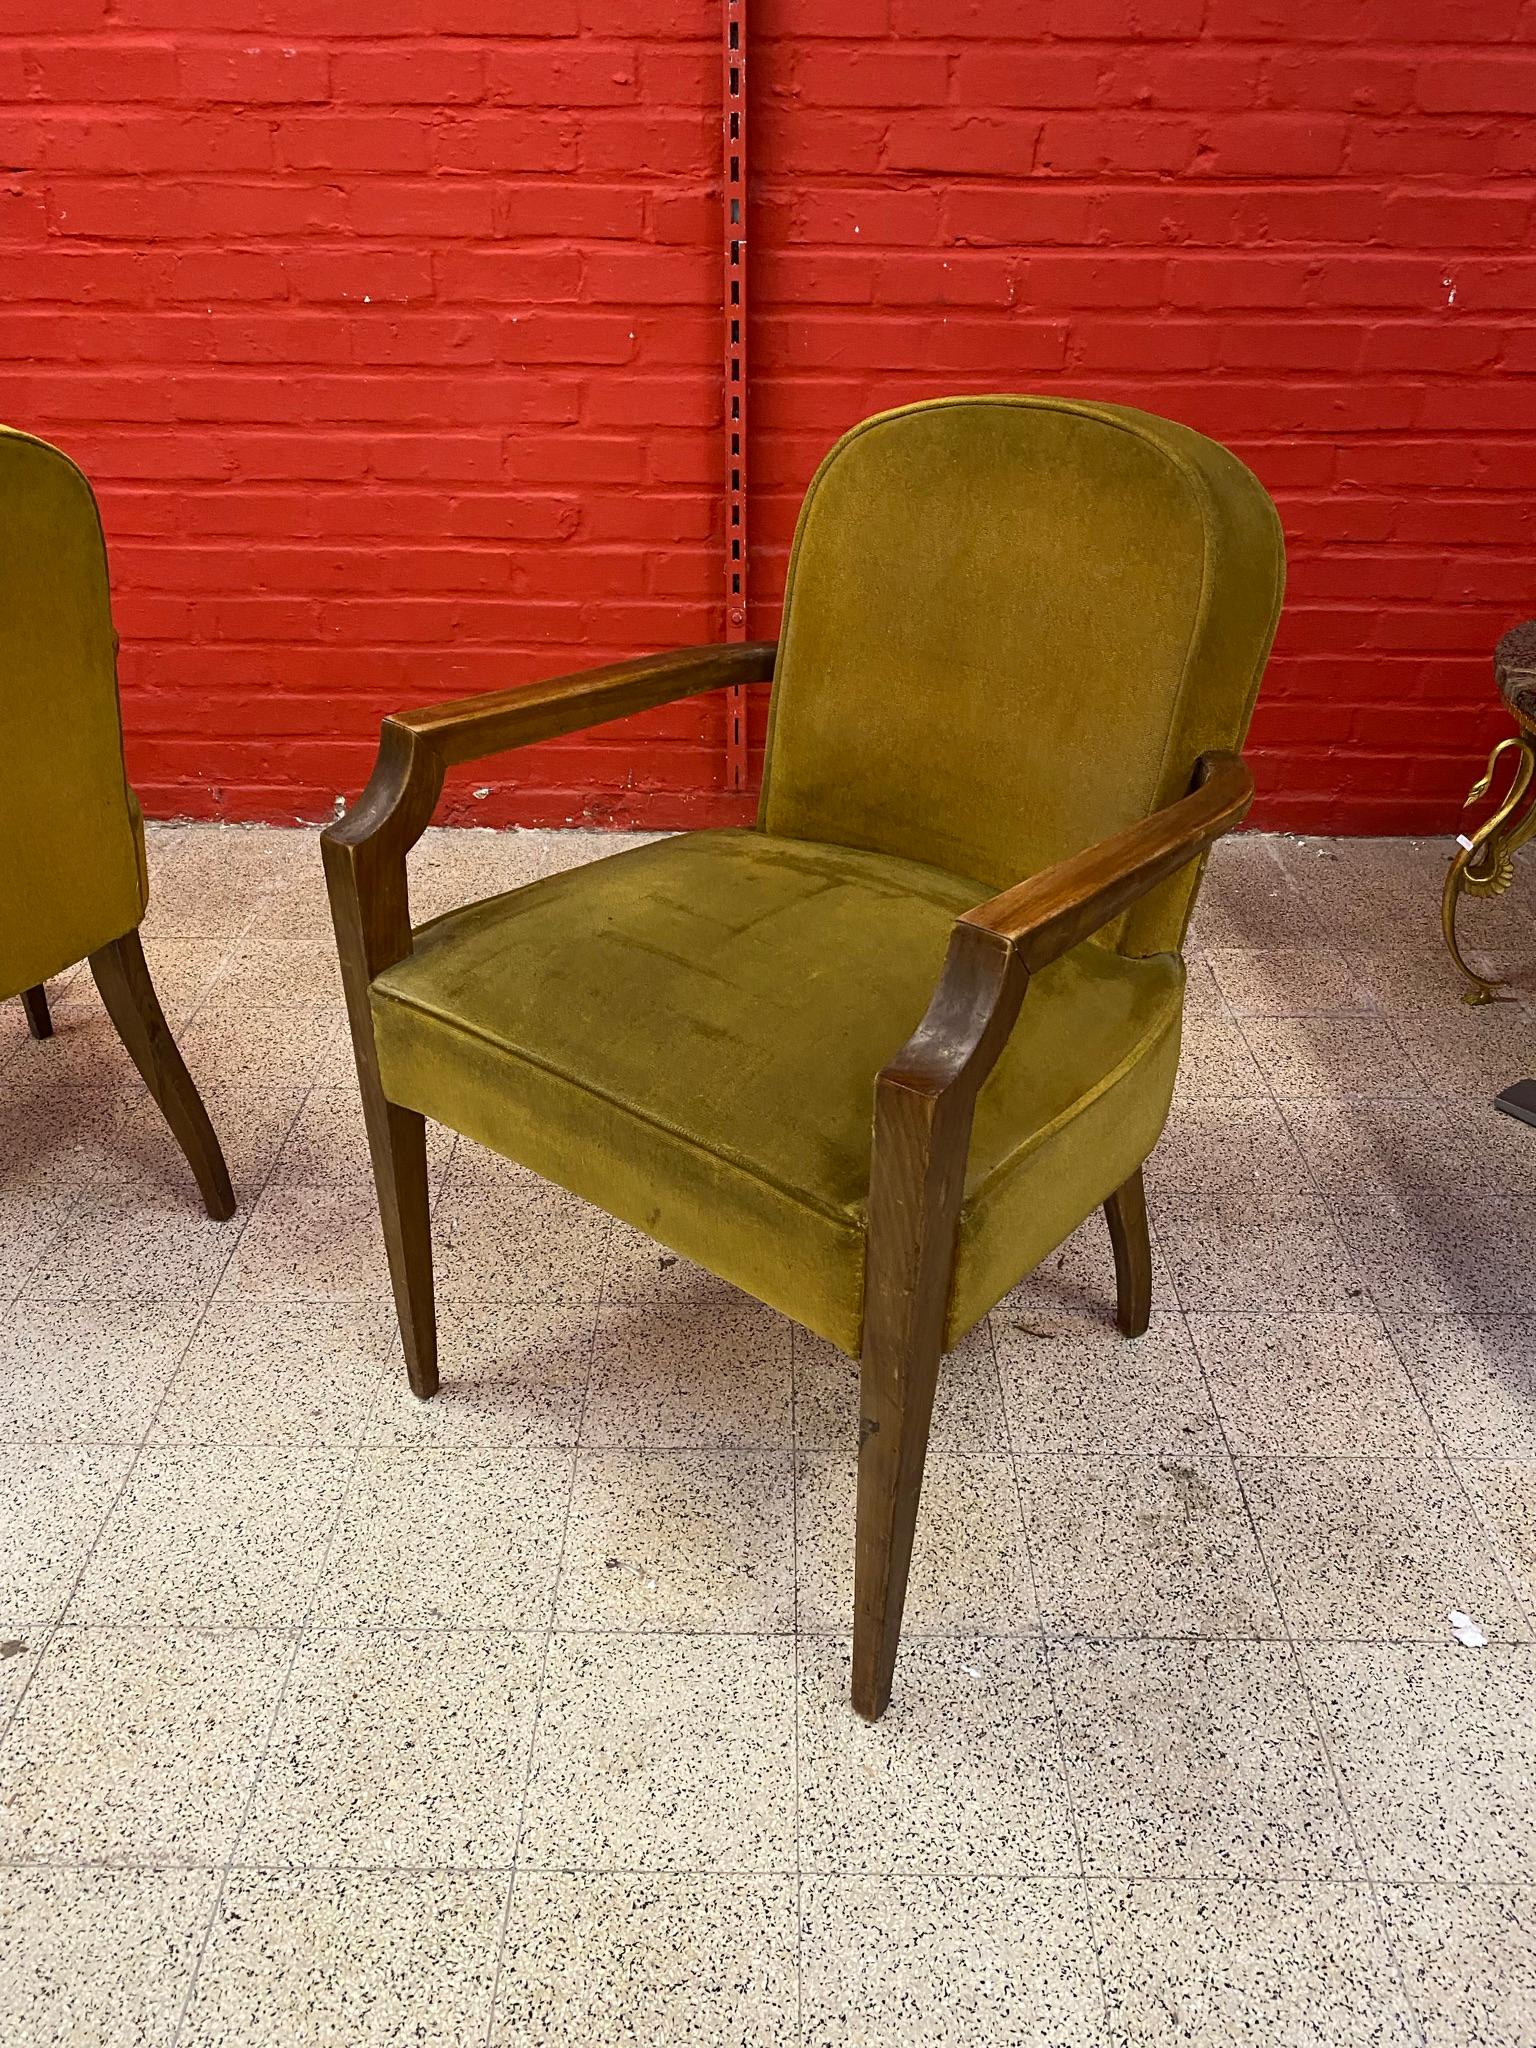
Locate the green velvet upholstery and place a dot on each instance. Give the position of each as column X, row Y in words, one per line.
column 1012, row 626
column 688, row 1034
column 71, row 837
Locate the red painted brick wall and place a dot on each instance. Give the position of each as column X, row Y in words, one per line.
column 393, row 354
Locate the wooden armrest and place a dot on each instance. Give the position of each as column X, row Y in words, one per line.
column 365, row 851
column 469, row 728
column 995, row 948
column 1053, row 912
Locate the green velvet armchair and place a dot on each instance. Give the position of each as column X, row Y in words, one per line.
column 874, row 1058
column 71, row 834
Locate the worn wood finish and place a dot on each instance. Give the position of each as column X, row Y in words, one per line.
column 35, row 1002
column 1126, row 1214
column 1055, row 911
column 924, row 1103
column 123, row 977
column 365, row 874
column 469, row 728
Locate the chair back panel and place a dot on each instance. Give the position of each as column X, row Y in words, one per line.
column 69, row 861
column 1011, row 627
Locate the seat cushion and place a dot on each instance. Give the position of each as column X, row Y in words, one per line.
column 688, row 1035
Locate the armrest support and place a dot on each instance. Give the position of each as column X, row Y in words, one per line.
column 995, row 948
column 365, row 851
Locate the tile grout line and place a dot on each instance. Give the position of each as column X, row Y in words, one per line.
column 299, row 1634
column 1298, row 1663
column 514, row 1869
column 1047, row 1668
column 61, row 1618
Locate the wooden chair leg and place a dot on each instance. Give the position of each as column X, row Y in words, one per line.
column 122, row 976
column 397, row 1140
column 896, row 1387
column 1126, row 1214
column 35, row 1002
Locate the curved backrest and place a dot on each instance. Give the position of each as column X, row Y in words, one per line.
column 1011, row 627
column 70, row 873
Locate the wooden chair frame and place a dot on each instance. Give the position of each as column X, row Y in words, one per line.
column 128, row 993
column 925, row 1096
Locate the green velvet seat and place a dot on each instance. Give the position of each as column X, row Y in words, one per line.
column 875, row 1058
column 689, row 1034
column 75, row 883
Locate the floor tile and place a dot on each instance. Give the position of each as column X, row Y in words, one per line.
column 72, row 1372
column 163, row 1247
column 1197, row 1760
column 281, row 1373
column 214, row 1538
column 236, row 1045
column 970, row 1563
column 648, row 1960
column 1468, row 1956
column 639, row 1273
column 1376, row 1152
column 680, row 1540
column 99, row 1957
column 1504, row 1492
column 369, row 1959
column 664, row 1753
column 1243, row 1965
column 444, row 1539
column 1465, row 1051
column 1375, row 1549
column 310, row 1244
column 1303, row 1058
column 963, row 1773
column 1436, row 1751
column 1216, row 1063
column 671, row 1379
column 501, row 1235
column 1401, row 977
column 512, row 1373
column 967, row 1402
column 329, row 1142
column 940, row 1960
column 30, row 1231
column 398, row 1750
column 1313, row 1382
column 1208, row 1148
column 1431, row 1257
column 1286, row 981
column 1075, row 1384
column 1477, row 1378
column 1249, row 1252
column 1136, row 1545
column 265, row 966
column 137, row 1746
column 138, row 1159
column 54, row 1499
column 1077, row 1279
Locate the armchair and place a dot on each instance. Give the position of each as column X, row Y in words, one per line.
column 71, row 833
column 1014, row 629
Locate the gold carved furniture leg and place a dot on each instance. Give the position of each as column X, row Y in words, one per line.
column 1484, row 863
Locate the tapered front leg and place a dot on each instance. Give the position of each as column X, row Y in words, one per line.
column 397, row 1139
column 35, row 1002
column 1126, row 1214
column 122, row 976
column 917, row 1170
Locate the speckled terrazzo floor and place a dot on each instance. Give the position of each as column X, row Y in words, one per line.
column 329, row 1717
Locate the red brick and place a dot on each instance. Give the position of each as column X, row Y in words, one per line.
column 392, row 343
column 270, row 73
